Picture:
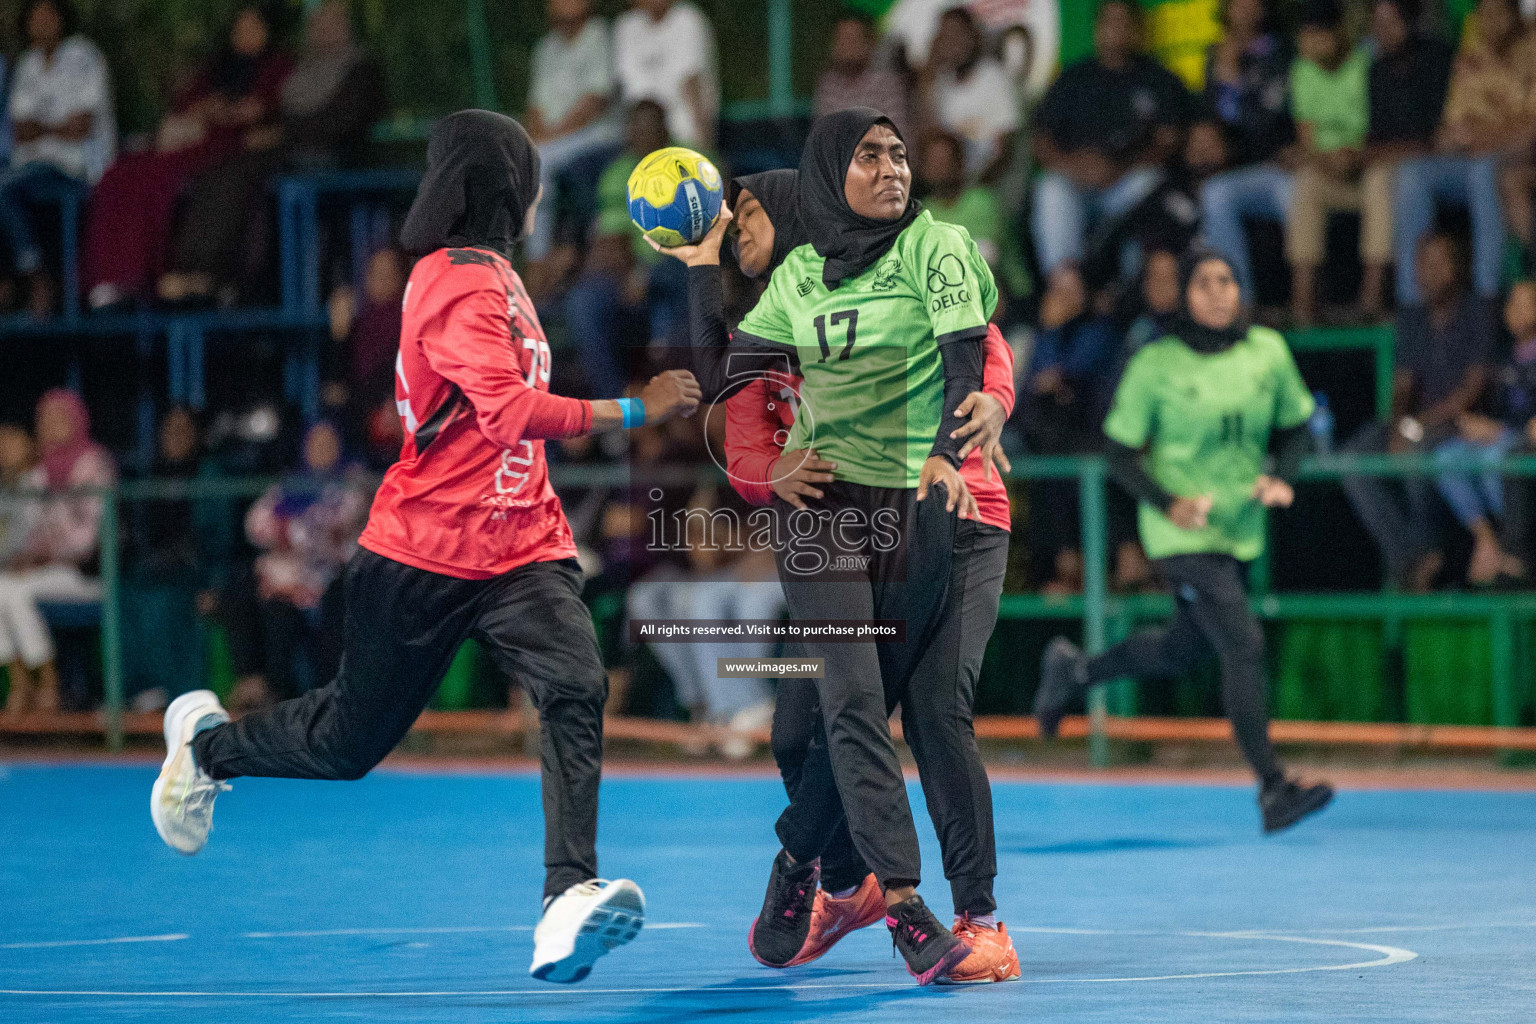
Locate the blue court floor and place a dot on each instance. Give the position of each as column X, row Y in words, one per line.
column 411, row 897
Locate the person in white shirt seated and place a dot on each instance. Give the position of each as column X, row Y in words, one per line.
column 664, row 50
column 571, row 112
column 61, row 115
column 970, row 94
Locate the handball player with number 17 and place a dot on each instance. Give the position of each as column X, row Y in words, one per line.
column 466, row 538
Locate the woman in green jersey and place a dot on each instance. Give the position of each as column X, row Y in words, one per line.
column 1192, row 423
column 884, row 315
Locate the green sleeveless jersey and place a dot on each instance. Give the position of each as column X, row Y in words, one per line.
column 869, row 349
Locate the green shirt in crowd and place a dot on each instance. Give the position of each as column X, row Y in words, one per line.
column 613, row 207
column 1335, row 102
column 869, row 349
column 1207, row 419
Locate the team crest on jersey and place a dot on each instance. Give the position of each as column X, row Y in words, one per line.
column 805, row 287
column 885, row 275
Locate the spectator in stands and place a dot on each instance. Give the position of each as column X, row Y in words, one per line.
column 61, row 546
column 1490, row 112
column 625, row 280
column 1247, row 91
column 1408, row 81
column 1150, row 315
column 174, row 547
column 1063, row 398
column 722, row 583
column 1486, row 436
column 970, row 94
column 20, row 471
column 326, row 110
column 1103, row 132
column 1330, row 104
column 61, row 114
column 305, row 532
column 1444, row 349
column 128, row 231
column 664, row 50
column 570, row 104
column 854, row 78
column 365, row 330
column 973, row 207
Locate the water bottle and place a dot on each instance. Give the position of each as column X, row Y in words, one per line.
column 1321, row 425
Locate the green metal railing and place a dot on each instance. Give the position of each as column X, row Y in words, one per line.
column 1105, row 617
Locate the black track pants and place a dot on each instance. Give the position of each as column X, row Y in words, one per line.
column 1213, row 618
column 852, row 763
column 937, row 713
column 403, row 627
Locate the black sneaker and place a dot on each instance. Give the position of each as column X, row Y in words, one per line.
column 930, row 950
column 779, row 932
column 1063, row 676
column 1286, row 802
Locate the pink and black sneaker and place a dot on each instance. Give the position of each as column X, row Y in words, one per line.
column 779, row 932
column 930, row 950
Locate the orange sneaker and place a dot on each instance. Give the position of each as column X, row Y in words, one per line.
column 831, row 918
column 992, row 958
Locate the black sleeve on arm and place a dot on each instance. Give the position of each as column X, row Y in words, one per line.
column 1125, row 466
column 1288, row 446
column 723, row 364
column 964, row 363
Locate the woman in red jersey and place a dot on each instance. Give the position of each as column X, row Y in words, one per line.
column 466, row 538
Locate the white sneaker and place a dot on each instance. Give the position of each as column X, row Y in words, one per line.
column 181, row 803
column 581, row 924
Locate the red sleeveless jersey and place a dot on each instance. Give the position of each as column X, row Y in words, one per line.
column 470, row 496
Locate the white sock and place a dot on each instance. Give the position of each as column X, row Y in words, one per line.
column 843, row 894
column 985, row 920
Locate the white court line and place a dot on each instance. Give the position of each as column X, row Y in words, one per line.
column 1463, row 926
column 1390, row 955
column 466, row 930
column 95, row 942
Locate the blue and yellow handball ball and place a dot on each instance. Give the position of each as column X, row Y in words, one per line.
column 675, row 196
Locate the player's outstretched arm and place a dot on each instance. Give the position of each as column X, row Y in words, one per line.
column 669, row 394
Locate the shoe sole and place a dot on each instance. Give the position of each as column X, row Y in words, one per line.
column 612, row 922
column 1051, row 663
column 948, row 962
column 948, row 980
column 1311, row 807
column 175, row 749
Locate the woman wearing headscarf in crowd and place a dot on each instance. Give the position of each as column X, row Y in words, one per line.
column 884, row 314
column 325, row 113
column 1193, row 421
column 306, row 529
column 54, row 563
column 758, row 419
column 128, row 227
column 19, row 472
column 466, row 537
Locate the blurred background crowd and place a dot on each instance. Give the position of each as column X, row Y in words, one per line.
column 1361, row 162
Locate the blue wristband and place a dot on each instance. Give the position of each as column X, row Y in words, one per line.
column 633, row 411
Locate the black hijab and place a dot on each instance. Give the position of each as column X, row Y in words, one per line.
column 777, row 192
column 482, row 176
column 850, row 243
column 1197, row 336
